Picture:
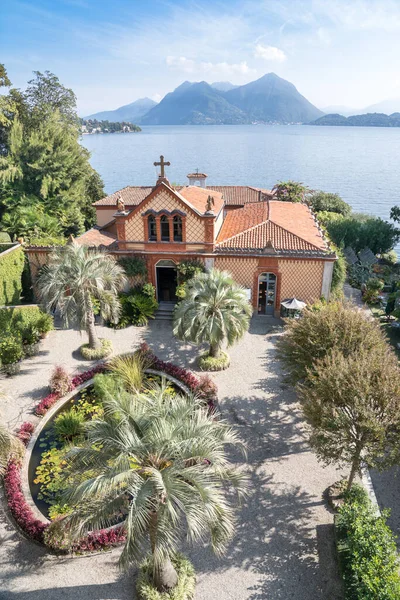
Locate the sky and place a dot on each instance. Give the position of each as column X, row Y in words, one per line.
column 112, row 52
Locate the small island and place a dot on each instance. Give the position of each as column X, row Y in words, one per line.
column 91, row 126
column 367, row 120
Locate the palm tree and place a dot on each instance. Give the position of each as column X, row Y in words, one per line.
column 75, row 277
column 9, row 446
column 159, row 462
column 215, row 309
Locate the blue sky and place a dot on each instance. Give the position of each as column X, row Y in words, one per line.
column 113, row 52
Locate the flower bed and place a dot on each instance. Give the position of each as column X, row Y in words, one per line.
column 106, row 538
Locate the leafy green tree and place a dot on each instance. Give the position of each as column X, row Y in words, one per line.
column 325, row 201
column 290, row 191
column 161, row 463
column 322, row 328
column 352, row 405
column 365, row 232
column 215, row 309
column 395, row 213
column 30, row 221
column 75, row 278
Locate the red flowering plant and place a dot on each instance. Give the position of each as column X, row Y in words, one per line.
column 25, row 432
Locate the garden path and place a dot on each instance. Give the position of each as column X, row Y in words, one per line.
column 283, row 546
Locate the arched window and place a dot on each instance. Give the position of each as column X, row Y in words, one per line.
column 152, row 229
column 177, row 229
column 164, row 221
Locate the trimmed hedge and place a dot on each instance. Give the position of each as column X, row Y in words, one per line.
column 11, row 268
column 210, row 363
column 367, row 550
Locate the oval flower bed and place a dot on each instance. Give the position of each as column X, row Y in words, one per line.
column 64, row 429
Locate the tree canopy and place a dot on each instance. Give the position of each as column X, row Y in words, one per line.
column 325, row 201
column 42, row 164
column 290, row 191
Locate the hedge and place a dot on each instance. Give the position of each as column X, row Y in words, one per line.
column 11, row 269
column 367, row 550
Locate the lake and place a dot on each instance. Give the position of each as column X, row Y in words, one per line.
column 359, row 163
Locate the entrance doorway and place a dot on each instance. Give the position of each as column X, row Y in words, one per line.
column 266, row 293
column 166, row 281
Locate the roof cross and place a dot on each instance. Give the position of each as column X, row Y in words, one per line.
column 162, row 164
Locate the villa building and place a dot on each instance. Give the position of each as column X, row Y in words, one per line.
column 274, row 249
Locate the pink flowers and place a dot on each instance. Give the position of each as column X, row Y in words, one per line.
column 18, row 506
column 24, row 433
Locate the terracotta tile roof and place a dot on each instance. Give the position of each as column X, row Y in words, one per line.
column 131, row 195
column 96, row 237
column 233, row 194
column 281, row 226
column 197, row 197
column 241, row 194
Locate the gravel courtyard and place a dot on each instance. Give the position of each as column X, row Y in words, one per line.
column 283, row 547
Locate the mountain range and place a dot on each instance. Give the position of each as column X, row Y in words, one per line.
column 269, row 99
column 364, row 120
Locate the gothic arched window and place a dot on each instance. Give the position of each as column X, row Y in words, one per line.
column 152, row 229
column 177, row 229
column 164, row 222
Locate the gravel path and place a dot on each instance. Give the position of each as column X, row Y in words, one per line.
column 283, row 547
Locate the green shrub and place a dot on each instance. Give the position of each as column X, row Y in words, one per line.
column 187, row 269
column 11, row 269
column 390, row 257
column 133, row 266
column 375, row 284
column 68, row 424
column 367, row 550
column 95, row 354
column 5, row 238
column 47, row 240
column 210, row 363
column 45, row 323
column 328, row 202
column 138, row 306
column 184, row 590
column 11, row 350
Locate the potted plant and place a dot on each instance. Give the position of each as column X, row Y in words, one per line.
column 31, row 340
column 11, row 354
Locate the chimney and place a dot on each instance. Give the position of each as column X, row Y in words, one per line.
column 197, row 179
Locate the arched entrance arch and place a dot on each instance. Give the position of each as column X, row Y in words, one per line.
column 266, row 293
column 166, row 280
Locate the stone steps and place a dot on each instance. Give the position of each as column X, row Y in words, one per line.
column 165, row 311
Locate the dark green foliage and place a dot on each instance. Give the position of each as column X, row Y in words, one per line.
column 290, row 191
column 134, row 266
column 11, row 268
column 367, row 550
column 187, row 269
column 325, row 201
column 16, row 320
column 137, row 307
column 339, row 271
column 47, row 184
column 363, row 232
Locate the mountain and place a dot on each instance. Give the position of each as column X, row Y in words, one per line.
column 194, row 104
column 269, row 99
column 272, row 99
column 388, row 107
column 346, row 111
column 365, row 120
column 132, row 112
column 223, row 86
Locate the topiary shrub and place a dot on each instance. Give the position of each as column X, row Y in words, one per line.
column 5, row 238
column 184, row 589
column 97, row 353
column 11, row 268
column 210, row 363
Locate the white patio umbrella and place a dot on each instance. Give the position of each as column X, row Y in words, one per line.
column 293, row 304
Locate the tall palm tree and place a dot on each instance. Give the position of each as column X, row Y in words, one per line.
column 9, row 446
column 160, row 463
column 215, row 308
column 74, row 278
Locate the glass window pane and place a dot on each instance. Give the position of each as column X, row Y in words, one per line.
column 164, row 228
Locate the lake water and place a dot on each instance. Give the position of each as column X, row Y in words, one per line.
column 362, row 164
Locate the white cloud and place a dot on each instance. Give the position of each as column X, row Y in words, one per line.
column 187, row 65
column 270, row 53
